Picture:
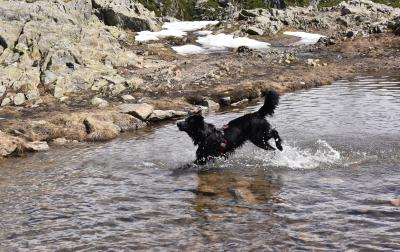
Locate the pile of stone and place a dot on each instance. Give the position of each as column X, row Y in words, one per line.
column 362, row 17
column 66, row 46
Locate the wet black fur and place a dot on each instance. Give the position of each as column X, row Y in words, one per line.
column 253, row 127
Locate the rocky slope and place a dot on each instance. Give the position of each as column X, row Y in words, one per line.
column 61, row 47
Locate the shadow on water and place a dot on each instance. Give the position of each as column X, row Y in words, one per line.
column 328, row 190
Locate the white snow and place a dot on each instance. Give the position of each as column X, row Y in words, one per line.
column 173, row 29
column 188, row 25
column 206, row 40
column 305, row 37
column 219, row 42
column 224, row 41
column 145, row 36
column 189, row 49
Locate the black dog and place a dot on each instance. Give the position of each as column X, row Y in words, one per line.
column 215, row 142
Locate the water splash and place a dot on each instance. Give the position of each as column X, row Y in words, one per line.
column 322, row 154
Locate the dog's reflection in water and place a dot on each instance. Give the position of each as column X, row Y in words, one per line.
column 222, row 188
column 227, row 199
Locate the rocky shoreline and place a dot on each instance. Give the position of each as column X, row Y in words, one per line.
column 72, row 70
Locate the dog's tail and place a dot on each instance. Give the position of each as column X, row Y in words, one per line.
column 270, row 103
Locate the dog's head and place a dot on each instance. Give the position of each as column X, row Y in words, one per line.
column 191, row 124
column 196, row 128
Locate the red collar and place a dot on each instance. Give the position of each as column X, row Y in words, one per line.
column 222, row 146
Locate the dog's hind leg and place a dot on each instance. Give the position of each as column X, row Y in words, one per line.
column 262, row 143
column 277, row 138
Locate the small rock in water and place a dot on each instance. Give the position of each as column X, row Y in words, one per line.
column 37, row 146
column 142, row 111
column 60, row 141
column 159, row 115
column 239, row 103
column 211, row 105
column 243, row 194
column 395, row 202
column 226, row 101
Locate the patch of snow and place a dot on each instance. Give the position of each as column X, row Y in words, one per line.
column 188, row 25
column 305, row 37
column 144, row 36
column 189, row 49
column 173, row 29
column 219, row 42
column 224, row 41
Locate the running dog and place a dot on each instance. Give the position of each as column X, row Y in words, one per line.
column 213, row 142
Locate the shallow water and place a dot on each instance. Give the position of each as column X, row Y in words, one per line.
column 327, row 191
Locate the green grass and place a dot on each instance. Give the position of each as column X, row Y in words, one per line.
column 393, row 3
column 184, row 9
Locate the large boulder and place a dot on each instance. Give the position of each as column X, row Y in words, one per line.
column 159, row 115
column 10, row 145
column 126, row 14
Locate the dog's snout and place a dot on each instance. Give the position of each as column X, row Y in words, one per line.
column 179, row 124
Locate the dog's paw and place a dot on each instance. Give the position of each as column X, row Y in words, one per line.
column 279, row 146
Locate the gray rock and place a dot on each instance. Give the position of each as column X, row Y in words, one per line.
column 3, row 89
column 159, row 115
column 60, row 141
column 19, row 99
column 99, row 102
column 134, row 82
column 313, row 62
column 100, row 130
column 240, row 103
column 211, row 105
column 10, row 145
column 37, row 146
column 326, row 41
column 141, row 111
column 351, row 34
column 243, row 194
column 6, row 101
column 33, row 94
column 128, row 98
column 49, row 77
column 117, row 89
column 9, row 33
column 225, row 101
column 253, row 30
column 126, row 14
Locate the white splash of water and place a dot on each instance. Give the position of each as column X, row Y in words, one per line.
column 296, row 158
